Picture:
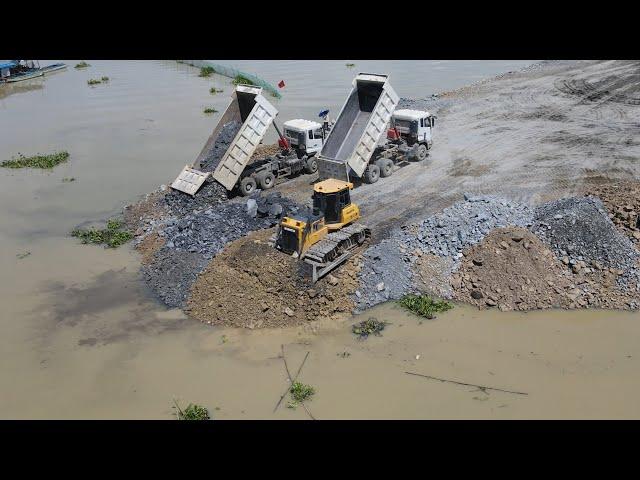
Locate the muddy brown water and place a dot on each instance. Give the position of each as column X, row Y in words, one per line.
column 80, row 336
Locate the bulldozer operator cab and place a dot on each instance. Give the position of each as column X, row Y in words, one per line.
column 332, row 209
column 331, row 200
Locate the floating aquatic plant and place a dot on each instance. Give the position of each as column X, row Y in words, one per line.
column 36, row 161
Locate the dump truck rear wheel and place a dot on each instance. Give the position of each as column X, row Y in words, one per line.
column 386, row 167
column 247, row 186
column 266, row 180
column 372, row 174
column 311, row 166
column 421, row 153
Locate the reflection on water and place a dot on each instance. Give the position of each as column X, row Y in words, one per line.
column 7, row 89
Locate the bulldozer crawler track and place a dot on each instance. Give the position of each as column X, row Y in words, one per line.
column 336, row 243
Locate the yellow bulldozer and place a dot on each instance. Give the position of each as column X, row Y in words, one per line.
column 327, row 237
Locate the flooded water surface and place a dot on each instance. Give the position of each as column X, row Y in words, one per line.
column 81, row 337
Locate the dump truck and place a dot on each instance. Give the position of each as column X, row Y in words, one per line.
column 357, row 145
column 358, row 129
column 250, row 108
column 234, row 170
column 327, row 236
column 301, row 141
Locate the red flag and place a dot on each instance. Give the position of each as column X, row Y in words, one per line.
column 281, row 84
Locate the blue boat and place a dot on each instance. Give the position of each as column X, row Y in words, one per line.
column 12, row 71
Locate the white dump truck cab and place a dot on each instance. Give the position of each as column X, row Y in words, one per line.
column 305, row 136
column 414, row 126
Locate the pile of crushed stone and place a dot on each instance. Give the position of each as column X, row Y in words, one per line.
column 220, row 145
column 444, row 235
column 253, row 285
column 464, row 224
column 208, row 231
column 385, row 275
column 580, row 232
column 512, row 269
column 210, row 194
column 171, row 273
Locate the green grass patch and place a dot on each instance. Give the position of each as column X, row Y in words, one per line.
column 82, row 64
column 112, row 237
column 238, row 79
column 192, row 412
column 300, row 393
column 37, row 161
column 94, row 81
column 104, row 79
column 350, row 65
column 424, row 305
column 214, row 90
column 371, row 326
column 209, row 110
column 206, row 71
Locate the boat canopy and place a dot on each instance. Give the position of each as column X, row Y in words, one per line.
column 8, row 63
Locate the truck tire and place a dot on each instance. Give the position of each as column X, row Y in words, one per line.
column 247, row 186
column 421, row 153
column 266, row 180
column 311, row 165
column 372, row 173
column 386, row 167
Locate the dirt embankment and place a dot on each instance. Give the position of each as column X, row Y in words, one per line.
column 251, row 284
column 622, row 200
column 511, row 268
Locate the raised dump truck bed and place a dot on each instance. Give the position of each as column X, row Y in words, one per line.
column 250, row 108
column 360, row 125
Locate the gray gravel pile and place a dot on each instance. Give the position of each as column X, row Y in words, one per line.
column 172, row 273
column 385, row 275
column 193, row 240
column 464, row 224
column 209, row 195
column 445, row 234
column 208, row 231
column 580, row 232
column 226, row 135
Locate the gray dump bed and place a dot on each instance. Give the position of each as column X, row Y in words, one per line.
column 360, row 125
column 249, row 109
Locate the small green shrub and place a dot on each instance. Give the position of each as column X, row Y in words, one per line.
column 104, row 79
column 242, row 79
column 93, row 81
column 68, row 179
column 192, row 412
column 82, row 64
column 424, row 305
column 214, row 90
column 206, row 71
column 368, row 327
column 112, row 237
column 350, row 65
column 300, row 393
column 37, row 161
column 209, row 110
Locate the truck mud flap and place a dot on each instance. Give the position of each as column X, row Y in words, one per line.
column 190, row 180
column 329, row 168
